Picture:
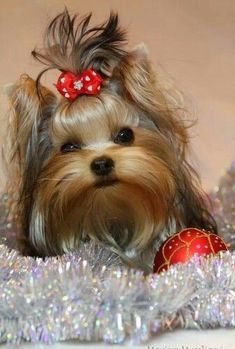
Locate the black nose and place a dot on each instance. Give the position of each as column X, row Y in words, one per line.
column 102, row 166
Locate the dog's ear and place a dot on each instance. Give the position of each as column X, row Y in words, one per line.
column 30, row 109
column 142, row 85
column 138, row 79
column 27, row 144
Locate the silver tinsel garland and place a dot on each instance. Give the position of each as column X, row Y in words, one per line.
column 91, row 296
column 223, row 199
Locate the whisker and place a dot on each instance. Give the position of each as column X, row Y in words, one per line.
column 54, row 179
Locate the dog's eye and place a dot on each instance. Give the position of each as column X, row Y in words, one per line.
column 69, row 147
column 125, row 135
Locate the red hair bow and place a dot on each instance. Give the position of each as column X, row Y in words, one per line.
column 71, row 86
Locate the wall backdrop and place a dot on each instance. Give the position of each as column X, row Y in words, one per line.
column 193, row 41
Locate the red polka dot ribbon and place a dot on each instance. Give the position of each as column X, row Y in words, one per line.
column 71, row 86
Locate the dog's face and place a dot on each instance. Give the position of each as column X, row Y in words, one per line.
column 110, row 167
column 108, row 175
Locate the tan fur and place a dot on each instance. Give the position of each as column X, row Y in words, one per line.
column 151, row 191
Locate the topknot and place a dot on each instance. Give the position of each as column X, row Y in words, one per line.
column 71, row 44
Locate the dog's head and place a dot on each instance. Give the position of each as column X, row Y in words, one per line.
column 110, row 167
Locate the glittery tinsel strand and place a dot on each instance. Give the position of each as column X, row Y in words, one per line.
column 65, row 298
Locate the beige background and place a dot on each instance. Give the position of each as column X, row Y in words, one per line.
column 192, row 40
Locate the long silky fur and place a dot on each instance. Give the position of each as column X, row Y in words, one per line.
column 59, row 201
column 26, row 148
column 71, row 45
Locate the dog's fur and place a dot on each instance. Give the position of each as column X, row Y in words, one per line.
column 151, row 192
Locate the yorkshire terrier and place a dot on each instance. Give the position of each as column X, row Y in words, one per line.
column 107, row 161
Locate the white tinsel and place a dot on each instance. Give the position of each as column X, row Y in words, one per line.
column 64, row 298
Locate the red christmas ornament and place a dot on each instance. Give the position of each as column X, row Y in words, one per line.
column 180, row 247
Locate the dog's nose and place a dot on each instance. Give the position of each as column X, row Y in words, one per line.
column 102, row 166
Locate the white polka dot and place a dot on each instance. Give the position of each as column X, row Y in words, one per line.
column 176, row 244
column 94, row 73
column 90, row 88
column 198, row 246
column 170, row 247
column 206, row 246
column 98, row 88
column 87, row 78
column 67, row 95
column 64, row 90
column 62, row 80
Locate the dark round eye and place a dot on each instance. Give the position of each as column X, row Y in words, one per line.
column 125, row 135
column 69, row 147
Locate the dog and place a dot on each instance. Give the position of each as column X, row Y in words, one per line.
column 108, row 165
